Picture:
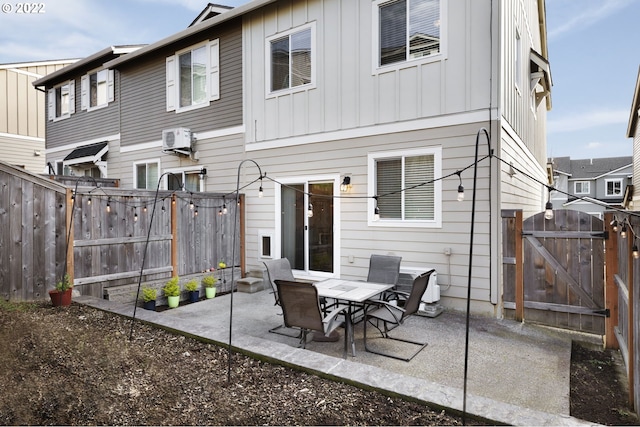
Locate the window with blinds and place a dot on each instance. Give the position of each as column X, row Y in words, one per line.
column 407, row 30
column 405, row 187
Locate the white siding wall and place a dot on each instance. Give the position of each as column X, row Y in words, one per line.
column 636, row 169
column 349, row 93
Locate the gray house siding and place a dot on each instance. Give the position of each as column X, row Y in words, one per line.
column 144, row 114
column 85, row 125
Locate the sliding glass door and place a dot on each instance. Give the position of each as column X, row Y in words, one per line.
column 307, row 226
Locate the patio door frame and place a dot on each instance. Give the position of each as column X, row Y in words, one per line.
column 306, row 180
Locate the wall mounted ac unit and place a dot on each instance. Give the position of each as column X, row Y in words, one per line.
column 176, row 139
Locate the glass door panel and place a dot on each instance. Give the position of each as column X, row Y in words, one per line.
column 321, row 228
column 293, row 224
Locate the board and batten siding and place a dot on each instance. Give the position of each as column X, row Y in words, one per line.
column 419, row 247
column 349, row 93
column 144, row 111
column 636, row 168
column 522, row 17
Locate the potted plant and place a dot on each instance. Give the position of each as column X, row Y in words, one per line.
column 209, row 283
column 192, row 288
column 149, row 296
column 61, row 295
column 171, row 290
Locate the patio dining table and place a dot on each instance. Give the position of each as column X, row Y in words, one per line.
column 353, row 293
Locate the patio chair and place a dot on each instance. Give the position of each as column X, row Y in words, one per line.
column 384, row 269
column 301, row 309
column 385, row 316
column 279, row 269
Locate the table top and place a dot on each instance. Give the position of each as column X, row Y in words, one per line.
column 350, row 290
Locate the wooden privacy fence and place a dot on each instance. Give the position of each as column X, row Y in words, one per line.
column 185, row 234
column 110, row 228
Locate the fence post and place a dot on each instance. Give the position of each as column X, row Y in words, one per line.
column 631, row 336
column 70, row 237
column 610, row 289
column 519, row 297
column 174, row 235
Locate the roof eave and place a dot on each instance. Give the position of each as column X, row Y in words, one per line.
column 202, row 26
column 70, row 69
column 635, row 105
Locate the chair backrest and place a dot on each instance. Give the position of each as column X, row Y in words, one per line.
column 420, row 284
column 300, row 305
column 384, row 269
column 278, row 269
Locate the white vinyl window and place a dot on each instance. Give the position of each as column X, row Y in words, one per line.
column 406, row 188
column 61, row 101
column 97, row 89
column 613, row 187
column 291, row 59
column 406, row 30
column 145, row 174
column 184, row 179
column 581, row 187
column 193, row 77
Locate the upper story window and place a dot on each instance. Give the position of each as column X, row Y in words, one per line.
column 408, row 194
column 61, row 101
column 97, row 89
column 193, row 77
column 145, row 174
column 613, row 187
column 581, row 187
column 406, row 30
column 290, row 59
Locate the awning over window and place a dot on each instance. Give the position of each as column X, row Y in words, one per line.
column 86, row 154
column 540, row 78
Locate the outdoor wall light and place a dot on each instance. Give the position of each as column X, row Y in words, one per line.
column 346, row 184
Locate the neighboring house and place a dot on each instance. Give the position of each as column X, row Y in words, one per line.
column 590, row 185
column 389, row 96
column 633, row 131
column 83, row 114
column 22, row 124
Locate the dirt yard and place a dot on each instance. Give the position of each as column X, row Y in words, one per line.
column 76, row 365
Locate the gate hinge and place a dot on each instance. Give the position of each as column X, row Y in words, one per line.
column 605, row 312
column 603, row 234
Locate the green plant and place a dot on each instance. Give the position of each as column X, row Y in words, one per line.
column 64, row 284
column 149, row 294
column 172, row 287
column 209, row 281
column 192, row 285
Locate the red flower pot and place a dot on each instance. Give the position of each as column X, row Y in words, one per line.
column 60, row 298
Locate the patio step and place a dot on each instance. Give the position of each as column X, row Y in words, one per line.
column 250, row 284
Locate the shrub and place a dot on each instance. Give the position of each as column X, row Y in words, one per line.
column 149, row 294
column 209, row 281
column 192, row 285
column 172, row 287
column 64, row 284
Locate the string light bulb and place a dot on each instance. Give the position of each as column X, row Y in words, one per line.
column 191, row 205
column 109, row 205
column 548, row 211
column 460, row 187
column 310, row 211
column 135, row 215
column 614, row 224
column 635, row 252
column 376, row 210
column 89, row 201
column 260, row 193
column 623, row 233
column 224, row 209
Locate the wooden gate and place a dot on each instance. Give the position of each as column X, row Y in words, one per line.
column 562, row 277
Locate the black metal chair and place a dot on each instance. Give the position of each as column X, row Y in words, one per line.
column 301, row 309
column 385, row 316
column 280, row 269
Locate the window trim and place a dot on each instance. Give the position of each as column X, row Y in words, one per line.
column 436, row 222
column 184, row 171
column 52, row 101
column 375, row 41
column 613, row 180
column 575, row 190
column 135, row 172
column 302, row 88
column 172, row 77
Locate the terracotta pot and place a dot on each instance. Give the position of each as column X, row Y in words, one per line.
column 60, row 298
